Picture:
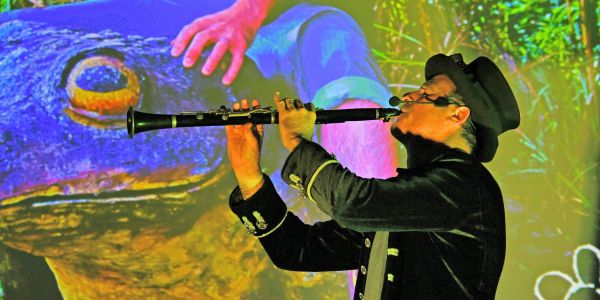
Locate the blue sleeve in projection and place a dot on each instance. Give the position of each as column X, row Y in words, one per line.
column 322, row 52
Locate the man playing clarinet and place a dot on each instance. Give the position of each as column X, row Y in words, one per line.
column 434, row 231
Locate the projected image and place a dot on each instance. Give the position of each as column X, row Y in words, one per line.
column 147, row 217
column 88, row 213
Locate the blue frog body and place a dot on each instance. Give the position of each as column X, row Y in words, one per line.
column 47, row 139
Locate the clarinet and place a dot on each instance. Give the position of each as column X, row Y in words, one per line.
column 140, row 121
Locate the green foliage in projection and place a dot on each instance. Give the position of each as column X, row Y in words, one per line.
column 535, row 29
column 4, row 5
column 556, row 51
column 7, row 5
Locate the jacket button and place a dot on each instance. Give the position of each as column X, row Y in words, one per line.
column 295, row 179
column 360, row 295
column 363, row 270
column 368, row 243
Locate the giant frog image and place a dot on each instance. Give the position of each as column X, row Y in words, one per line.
column 116, row 218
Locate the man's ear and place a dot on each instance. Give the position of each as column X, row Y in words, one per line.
column 460, row 114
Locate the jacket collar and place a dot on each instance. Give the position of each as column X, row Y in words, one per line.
column 422, row 151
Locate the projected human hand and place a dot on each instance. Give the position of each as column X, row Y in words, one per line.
column 232, row 30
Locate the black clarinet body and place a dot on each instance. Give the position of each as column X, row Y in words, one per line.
column 140, row 121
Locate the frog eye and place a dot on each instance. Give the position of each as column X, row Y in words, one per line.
column 101, row 88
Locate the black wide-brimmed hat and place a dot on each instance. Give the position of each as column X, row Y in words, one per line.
column 486, row 92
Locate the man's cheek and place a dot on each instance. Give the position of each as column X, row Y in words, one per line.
column 405, row 124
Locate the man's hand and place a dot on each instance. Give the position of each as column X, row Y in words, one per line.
column 243, row 148
column 295, row 121
column 232, row 30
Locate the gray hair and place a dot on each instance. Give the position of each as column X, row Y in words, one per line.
column 468, row 129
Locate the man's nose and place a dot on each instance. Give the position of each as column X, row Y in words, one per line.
column 405, row 106
column 410, row 96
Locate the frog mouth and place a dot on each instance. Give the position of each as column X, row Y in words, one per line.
column 126, row 189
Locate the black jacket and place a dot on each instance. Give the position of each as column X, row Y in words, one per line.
column 445, row 216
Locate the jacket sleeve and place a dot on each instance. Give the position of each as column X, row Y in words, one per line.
column 291, row 244
column 437, row 197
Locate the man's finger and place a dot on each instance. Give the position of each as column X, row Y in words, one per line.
column 202, row 22
column 195, row 49
column 181, row 41
column 261, row 131
column 259, row 127
column 288, row 103
column 298, row 104
column 257, row 132
column 245, row 105
column 237, row 59
column 236, row 107
column 187, row 33
column 215, row 56
column 279, row 103
column 255, row 103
